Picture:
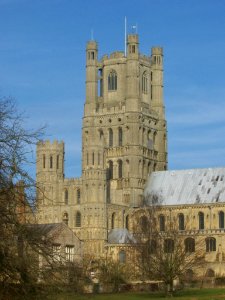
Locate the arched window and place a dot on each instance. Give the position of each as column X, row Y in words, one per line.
column 91, row 55
column 161, row 223
column 44, row 161
column 110, row 137
column 181, row 221
column 132, row 49
column 57, row 162
column 168, row 246
column 189, row 244
column 120, row 136
column 144, row 223
column 78, row 196
column 66, row 196
column 51, row 162
column 154, row 138
column 78, row 219
column 145, row 83
column 152, row 246
column 210, row 244
column 110, row 171
column 201, row 220
column 65, row 218
column 113, row 220
column 120, row 168
column 221, row 219
column 112, row 81
column 127, row 222
column 101, row 134
column 122, row 256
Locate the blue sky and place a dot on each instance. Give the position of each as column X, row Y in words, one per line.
column 42, row 66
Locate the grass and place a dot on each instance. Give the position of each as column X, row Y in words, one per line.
column 192, row 294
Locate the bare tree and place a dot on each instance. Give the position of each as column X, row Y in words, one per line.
column 165, row 252
column 18, row 242
column 113, row 273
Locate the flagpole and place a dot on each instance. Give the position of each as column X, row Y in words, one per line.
column 125, row 37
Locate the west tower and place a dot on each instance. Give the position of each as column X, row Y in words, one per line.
column 124, row 127
column 123, row 140
column 124, row 133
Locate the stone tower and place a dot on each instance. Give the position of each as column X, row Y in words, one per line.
column 50, row 170
column 124, row 130
column 123, row 140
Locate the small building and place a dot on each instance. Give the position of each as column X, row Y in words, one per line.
column 64, row 245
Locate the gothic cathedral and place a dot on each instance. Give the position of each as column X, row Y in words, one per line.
column 124, row 139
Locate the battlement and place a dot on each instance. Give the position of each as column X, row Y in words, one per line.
column 157, row 51
column 92, row 45
column 47, row 144
column 117, row 54
column 132, row 38
column 74, row 181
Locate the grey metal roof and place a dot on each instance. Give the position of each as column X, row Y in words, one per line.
column 120, row 236
column 186, row 186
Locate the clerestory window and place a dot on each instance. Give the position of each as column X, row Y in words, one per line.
column 112, row 81
column 145, row 83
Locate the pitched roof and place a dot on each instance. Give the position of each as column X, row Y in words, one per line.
column 186, row 186
column 120, row 236
column 45, row 229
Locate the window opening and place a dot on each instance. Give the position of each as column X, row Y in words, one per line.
column 78, row 196
column 201, row 220
column 110, row 171
column 44, row 161
column 122, row 256
column 145, row 83
column 110, row 137
column 120, row 136
column 120, row 169
column 221, row 219
column 189, row 245
column 112, row 81
column 127, row 222
column 161, row 223
column 113, row 221
column 181, row 221
column 51, row 162
column 210, row 244
column 66, row 197
column 93, row 158
column 78, row 219
column 169, row 246
column 69, row 253
column 57, row 162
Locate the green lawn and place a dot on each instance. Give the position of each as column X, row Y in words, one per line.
column 193, row 294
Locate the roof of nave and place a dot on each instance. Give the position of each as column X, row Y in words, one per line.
column 191, row 186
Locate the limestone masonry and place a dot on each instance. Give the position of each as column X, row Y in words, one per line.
column 124, row 139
